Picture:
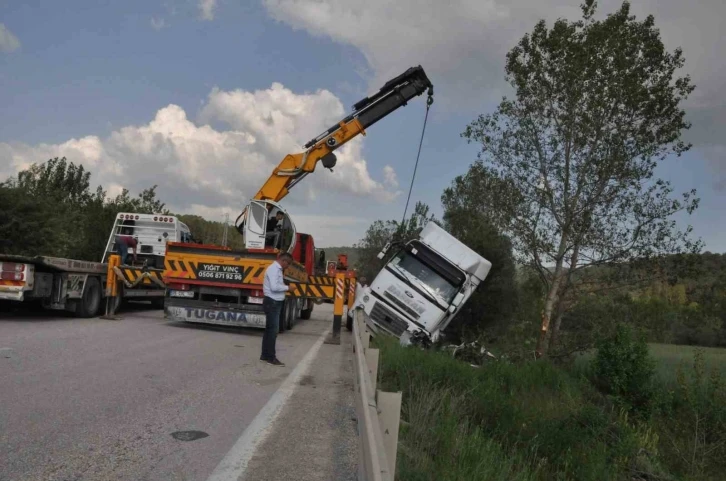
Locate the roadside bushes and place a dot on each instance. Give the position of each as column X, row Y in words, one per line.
column 624, row 370
column 529, row 421
column 536, row 421
column 692, row 422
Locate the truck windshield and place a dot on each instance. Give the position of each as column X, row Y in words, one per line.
column 434, row 283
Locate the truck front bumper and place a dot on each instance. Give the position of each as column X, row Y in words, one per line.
column 181, row 310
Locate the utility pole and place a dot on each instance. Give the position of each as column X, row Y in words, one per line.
column 224, row 235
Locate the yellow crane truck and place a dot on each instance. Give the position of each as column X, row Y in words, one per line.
column 217, row 285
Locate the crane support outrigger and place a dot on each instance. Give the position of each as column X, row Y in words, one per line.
column 215, row 285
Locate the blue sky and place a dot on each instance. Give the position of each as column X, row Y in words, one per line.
column 88, row 78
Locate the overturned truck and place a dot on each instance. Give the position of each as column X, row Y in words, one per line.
column 422, row 286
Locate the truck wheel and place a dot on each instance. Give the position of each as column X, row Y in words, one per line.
column 306, row 313
column 89, row 304
column 291, row 315
column 349, row 322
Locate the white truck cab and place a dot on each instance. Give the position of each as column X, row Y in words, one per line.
column 423, row 285
column 152, row 231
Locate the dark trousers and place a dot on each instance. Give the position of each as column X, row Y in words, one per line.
column 123, row 251
column 272, row 310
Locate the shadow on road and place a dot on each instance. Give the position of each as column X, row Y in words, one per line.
column 245, row 331
column 34, row 311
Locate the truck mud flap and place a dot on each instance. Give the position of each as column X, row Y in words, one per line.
column 220, row 317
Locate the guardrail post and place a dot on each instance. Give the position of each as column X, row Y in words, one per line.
column 389, row 416
column 372, row 356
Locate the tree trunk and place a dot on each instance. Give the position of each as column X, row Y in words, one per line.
column 558, row 320
column 552, row 296
column 560, row 311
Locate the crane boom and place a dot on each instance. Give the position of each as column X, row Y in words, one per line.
column 366, row 112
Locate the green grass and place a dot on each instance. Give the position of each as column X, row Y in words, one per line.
column 536, row 422
column 669, row 356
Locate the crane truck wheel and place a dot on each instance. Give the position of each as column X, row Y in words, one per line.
column 349, row 322
column 90, row 302
column 291, row 314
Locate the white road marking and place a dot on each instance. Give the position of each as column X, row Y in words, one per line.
column 234, row 464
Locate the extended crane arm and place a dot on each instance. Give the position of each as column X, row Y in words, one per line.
column 394, row 94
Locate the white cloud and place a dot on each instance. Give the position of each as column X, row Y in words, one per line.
column 462, row 44
column 282, row 122
column 389, row 175
column 209, row 170
column 331, row 231
column 8, row 41
column 206, row 9
column 157, row 23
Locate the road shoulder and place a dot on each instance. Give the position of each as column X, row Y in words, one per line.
column 315, row 435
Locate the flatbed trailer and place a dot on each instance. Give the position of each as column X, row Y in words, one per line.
column 82, row 286
column 74, row 285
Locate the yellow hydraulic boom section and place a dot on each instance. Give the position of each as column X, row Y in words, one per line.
column 294, row 167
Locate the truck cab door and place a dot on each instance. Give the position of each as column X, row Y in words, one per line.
column 255, row 225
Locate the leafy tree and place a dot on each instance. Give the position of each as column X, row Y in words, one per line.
column 28, row 225
column 567, row 166
column 56, row 179
column 381, row 232
column 145, row 203
column 493, row 304
column 53, row 203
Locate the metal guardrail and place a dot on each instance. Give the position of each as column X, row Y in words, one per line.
column 378, row 412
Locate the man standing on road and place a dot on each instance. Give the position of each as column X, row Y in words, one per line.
column 274, row 290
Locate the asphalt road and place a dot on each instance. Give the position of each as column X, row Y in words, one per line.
column 93, row 399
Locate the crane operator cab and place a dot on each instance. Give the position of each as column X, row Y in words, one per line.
column 264, row 224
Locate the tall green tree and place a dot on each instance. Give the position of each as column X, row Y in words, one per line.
column 566, row 168
column 28, row 225
column 54, row 200
column 492, row 305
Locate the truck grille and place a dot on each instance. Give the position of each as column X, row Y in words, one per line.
column 397, row 302
column 388, row 319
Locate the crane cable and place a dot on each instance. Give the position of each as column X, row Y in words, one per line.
column 429, row 101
